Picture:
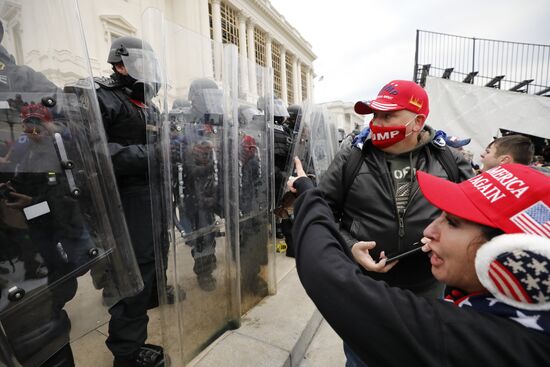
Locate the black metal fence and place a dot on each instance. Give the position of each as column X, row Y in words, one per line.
column 520, row 67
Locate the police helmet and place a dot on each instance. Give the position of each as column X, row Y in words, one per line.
column 206, row 97
column 121, row 46
column 294, row 110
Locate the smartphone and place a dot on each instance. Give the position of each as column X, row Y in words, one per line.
column 406, row 253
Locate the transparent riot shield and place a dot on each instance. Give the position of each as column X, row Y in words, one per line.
column 256, row 227
column 321, row 142
column 292, row 125
column 196, row 175
column 301, row 145
column 334, row 135
column 65, row 254
column 314, row 143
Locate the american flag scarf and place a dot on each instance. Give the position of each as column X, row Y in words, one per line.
column 485, row 302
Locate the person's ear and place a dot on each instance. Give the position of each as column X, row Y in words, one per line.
column 505, row 158
column 419, row 123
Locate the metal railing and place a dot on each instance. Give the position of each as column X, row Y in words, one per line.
column 515, row 66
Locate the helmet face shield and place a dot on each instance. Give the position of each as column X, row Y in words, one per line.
column 208, row 101
column 142, row 65
column 279, row 109
column 247, row 115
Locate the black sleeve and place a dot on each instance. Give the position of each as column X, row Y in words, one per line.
column 127, row 160
column 388, row 326
column 108, row 108
column 465, row 170
column 331, row 186
column 131, row 159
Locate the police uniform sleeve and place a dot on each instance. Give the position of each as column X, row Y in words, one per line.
column 131, row 159
column 127, row 160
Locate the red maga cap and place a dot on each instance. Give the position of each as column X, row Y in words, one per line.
column 397, row 95
column 37, row 111
column 512, row 197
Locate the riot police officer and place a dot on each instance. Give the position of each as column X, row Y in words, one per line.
column 253, row 196
column 283, row 138
column 295, row 115
column 124, row 100
column 32, row 329
column 202, row 189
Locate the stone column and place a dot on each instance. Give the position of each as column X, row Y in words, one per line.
column 243, row 55
column 268, row 54
column 268, row 51
column 310, row 85
column 298, row 85
column 284, row 91
column 252, row 58
column 217, row 30
column 293, row 72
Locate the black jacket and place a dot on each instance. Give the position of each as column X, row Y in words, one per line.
column 369, row 212
column 125, row 123
column 388, row 326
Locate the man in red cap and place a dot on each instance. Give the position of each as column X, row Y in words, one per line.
column 377, row 201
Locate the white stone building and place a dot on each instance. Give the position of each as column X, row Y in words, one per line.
column 344, row 115
column 262, row 35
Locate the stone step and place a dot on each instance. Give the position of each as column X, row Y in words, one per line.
column 275, row 333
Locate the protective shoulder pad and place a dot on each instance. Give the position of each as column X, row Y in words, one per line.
column 79, row 84
column 106, row 82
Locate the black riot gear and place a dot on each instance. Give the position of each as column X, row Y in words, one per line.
column 280, row 112
column 126, row 108
column 295, row 112
column 123, row 46
column 205, row 97
column 143, row 76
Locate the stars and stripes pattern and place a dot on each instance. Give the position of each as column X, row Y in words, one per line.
column 536, row 320
column 522, row 275
column 534, row 220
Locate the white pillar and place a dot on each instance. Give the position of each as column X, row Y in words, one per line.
column 293, row 78
column 268, row 51
column 268, row 55
column 243, row 55
column 299, row 79
column 251, row 57
column 217, row 30
column 284, row 91
column 310, row 85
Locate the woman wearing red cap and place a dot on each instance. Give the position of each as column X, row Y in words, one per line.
column 490, row 246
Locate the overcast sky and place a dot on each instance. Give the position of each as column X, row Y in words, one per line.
column 363, row 44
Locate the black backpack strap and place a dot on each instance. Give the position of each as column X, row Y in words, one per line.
column 447, row 160
column 351, row 169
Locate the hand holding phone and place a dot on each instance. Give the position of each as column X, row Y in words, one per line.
column 417, row 248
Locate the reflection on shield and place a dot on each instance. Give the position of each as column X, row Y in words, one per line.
column 65, row 254
column 213, row 175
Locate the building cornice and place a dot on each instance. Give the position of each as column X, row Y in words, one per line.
column 279, row 24
column 116, row 23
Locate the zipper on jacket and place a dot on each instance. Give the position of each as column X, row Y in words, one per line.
column 402, row 218
column 401, row 225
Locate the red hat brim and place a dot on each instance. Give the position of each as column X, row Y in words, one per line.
column 368, row 107
column 449, row 197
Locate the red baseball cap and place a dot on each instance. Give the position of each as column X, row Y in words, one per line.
column 512, row 197
column 36, row 111
column 397, row 95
